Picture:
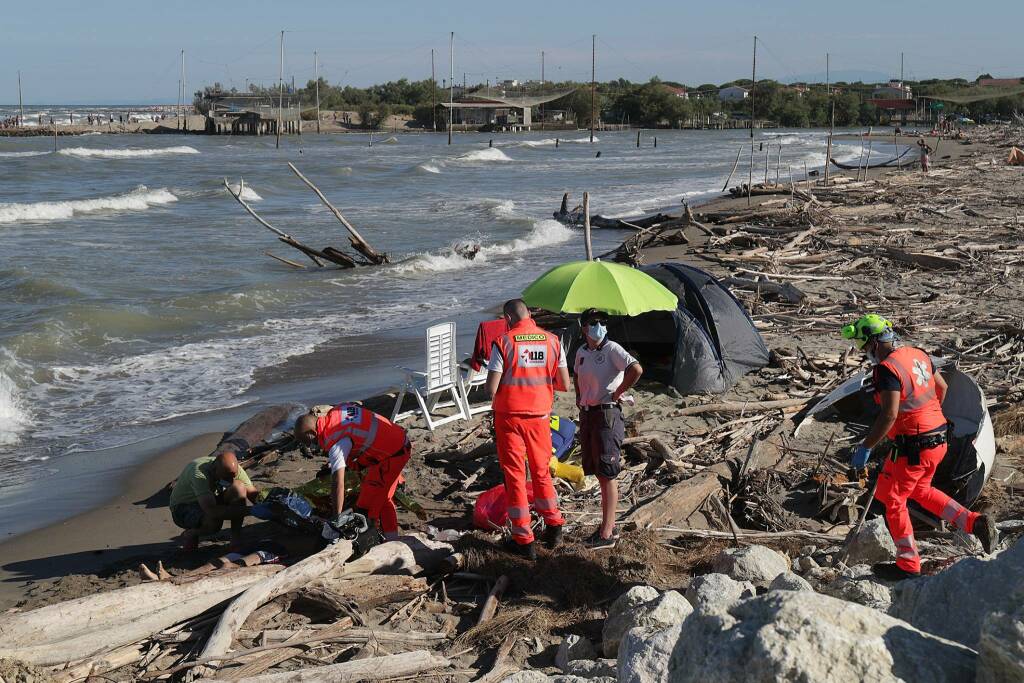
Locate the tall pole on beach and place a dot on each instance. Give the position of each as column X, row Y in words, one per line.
column 180, row 91
column 828, row 88
column 184, row 93
column 753, row 82
column 316, row 77
column 21, row 107
column 433, row 91
column 280, row 92
column 593, row 84
column 451, row 83
column 542, row 86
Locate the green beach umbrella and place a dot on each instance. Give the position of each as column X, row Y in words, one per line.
column 610, row 287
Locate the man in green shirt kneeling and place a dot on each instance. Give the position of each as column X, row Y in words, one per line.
column 209, row 491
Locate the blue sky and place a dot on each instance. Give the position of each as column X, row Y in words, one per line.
column 98, row 51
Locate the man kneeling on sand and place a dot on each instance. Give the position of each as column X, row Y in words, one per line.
column 211, row 490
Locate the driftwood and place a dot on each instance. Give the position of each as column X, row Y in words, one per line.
column 405, row 665
column 83, row 628
column 783, row 290
column 108, row 661
column 358, row 243
column 929, row 261
column 491, row 603
column 741, row 406
column 503, row 663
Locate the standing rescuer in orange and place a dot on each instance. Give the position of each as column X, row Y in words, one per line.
column 526, row 368
column 910, row 392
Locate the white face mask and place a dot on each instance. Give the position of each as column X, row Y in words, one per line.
column 596, row 332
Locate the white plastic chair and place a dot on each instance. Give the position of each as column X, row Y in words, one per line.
column 469, row 379
column 441, row 377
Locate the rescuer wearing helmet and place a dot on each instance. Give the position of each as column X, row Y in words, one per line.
column 526, row 368
column 910, row 392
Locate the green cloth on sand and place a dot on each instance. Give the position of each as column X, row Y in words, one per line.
column 197, row 480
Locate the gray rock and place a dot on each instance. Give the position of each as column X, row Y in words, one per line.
column 873, row 543
column 954, row 603
column 644, row 654
column 581, row 679
column 790, row 582
column 664, row 610
column 756, row 564
column 709, row 590
column 812, row 638
column 1001, row 646
column 527, row 676
column 807, row 563
column 573, row 647
column 592, row 668
column 863, row 591
column 821, row 576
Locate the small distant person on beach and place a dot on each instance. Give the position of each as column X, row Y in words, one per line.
column 211, row 490
column 925, row 152
column 604, row 372
column 527, row 366
column 354, row 437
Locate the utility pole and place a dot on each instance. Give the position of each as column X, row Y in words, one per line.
column 753, row 83
column 280, row 92
column 316, row 76
column 451, row 83
column 21, row 107
column 901, row 70
column 542, row 88
column 184, row 91
column 593, row 84
column 433, row 91
column 828, row 90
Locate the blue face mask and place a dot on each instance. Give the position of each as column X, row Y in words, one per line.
column 597, row 332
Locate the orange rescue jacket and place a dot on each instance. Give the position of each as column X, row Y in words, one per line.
column 372, row 435
column 530, row 358
column 920, row 409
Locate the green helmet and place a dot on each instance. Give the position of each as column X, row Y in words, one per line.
column 870, row 325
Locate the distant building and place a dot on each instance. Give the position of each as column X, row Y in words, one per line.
column 799, row 88
column 510, row 83
column 678, row 92
column 998, row 82
column 733, row 93
column 895, row 90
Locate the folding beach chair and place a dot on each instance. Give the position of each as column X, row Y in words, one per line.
column 441, row 377
column 469, row 379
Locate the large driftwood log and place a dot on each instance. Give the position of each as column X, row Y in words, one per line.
column 741, row 406
column 313, row 254
column 86, row 627
column 407, row 664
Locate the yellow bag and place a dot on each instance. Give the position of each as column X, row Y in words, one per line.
column 570, row 473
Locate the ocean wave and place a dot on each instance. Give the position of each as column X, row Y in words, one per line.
column 486, row 154
column 14, row 417
column 428, row 167
column 551, row 142
column 86, row 152
column 21, row 154
column 139, row 199
column 248, row 194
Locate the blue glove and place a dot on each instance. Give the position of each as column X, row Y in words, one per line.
column 860, row 457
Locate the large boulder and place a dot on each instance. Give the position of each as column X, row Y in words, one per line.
column 708, row 591
column 955, row 602
column 807, row 637
column 790, row 582
column 645, row 652
column 664, row 610
column 1001, row 645
column 873, row 543
column 573, row 647
column 860, row 589
column 756, row 564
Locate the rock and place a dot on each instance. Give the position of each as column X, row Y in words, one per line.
column 756, row 564
column 644, row 654
column 592, row 668
column 581, row 679
column 807, row 563
column 954, row 603
column 862, row 590
column 709, row 590
column 873, row 543
column 573, row 647
column 1001, row 645
column 527, row 676
column 820, row 576
column 789, row 582
column 664, row 610
column 807, row 637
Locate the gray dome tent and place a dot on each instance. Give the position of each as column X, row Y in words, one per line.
column 705, row 345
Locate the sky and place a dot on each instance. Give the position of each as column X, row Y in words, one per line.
column 128, row 52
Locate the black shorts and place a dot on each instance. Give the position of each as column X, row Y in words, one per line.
column 187, row 515
column 601, row 433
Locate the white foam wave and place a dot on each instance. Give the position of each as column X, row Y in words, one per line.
column 139, row 199
column 551, row 142
column 86, row 152
column 22, row 154
column 486, row 154
column 502, row 209
column 14, row 418
column 248, row 194
column 429, row 167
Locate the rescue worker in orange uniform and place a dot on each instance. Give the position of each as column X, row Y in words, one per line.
column 353, row 436
column 910, row 392
column 526, row 368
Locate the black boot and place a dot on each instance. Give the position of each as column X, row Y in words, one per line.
column 552, row 537
column 890, row 571
column 524, row 550
column 985, row 530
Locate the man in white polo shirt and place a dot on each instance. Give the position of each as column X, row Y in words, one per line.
column 604, row 371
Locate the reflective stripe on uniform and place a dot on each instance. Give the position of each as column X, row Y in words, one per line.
column 906, row 549
column 545, row 504
column 508, row 380
column 956, row 514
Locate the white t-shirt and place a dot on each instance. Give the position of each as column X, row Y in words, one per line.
column 497, row 362
column 338, row 454
column 599, row 371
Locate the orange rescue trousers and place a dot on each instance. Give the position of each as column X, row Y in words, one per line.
column 523, row 440
column 898, row 482
column 377, row 490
